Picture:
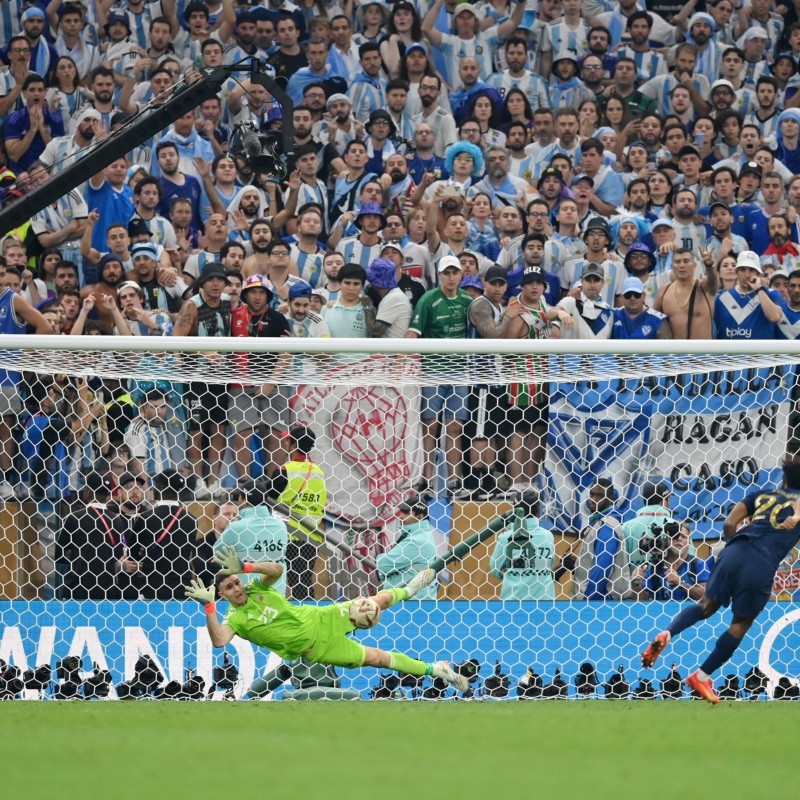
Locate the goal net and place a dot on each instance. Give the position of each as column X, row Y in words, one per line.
column 572, row 497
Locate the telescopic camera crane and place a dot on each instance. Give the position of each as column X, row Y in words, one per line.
column 265, row 153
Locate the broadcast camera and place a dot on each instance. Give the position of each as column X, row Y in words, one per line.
column 225, row 677
column 497, row 684
column 656, row 543
column 146, row 678
column 260, row 150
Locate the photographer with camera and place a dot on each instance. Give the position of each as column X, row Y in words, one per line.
column 601, row 569
column 671, row 572
column 524, row 554
column 655, row 496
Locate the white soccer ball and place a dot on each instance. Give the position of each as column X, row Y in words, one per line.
column 364, row 612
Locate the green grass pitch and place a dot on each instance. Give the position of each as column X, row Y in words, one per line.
column 387, row 750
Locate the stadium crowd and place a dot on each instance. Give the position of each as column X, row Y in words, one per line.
column 545, row 168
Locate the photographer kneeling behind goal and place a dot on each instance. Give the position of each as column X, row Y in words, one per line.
column 670, row 573
column 524, row 555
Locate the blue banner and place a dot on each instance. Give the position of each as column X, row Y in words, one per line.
column 715, row 436
column 520, row 635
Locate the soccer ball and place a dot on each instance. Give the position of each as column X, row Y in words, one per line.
column 364, row 612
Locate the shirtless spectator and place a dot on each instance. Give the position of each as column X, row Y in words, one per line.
column 687, row 301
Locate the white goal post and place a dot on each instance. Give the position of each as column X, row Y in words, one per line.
column 708, row 420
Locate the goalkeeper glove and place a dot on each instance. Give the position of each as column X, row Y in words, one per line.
column 229, row 561
column 196, row 591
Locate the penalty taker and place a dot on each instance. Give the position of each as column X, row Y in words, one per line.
column 263, row 616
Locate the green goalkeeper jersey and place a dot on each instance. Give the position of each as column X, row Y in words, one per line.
column 269, row 620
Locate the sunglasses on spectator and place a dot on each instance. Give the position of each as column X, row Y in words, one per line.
column 628, row 295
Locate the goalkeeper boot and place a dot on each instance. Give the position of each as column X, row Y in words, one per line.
column 653, row 651
column 420, row 581
column 704, row 688
column 443, row 670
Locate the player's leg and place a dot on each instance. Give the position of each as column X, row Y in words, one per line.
column 400, row 662
column 388, row 597
column 726, row 646
column 432, row 404
column 751, row 593
column 700, row 610
column 243, row 415
column 718, row 592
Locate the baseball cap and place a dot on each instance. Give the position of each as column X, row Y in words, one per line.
column 144, row 249
column 533, row 274
column 129, row 477
column 299, row 289
column 582, row 176
column 415, row 46
column 471, row 282
column 718, row 204
column 632, row 285
column 114, row 16
column 750, row 168
column 663, row 222
column 393, row 245
column 688, row 150
column 552, row 172
column 448, row 262
column 169, row 480
column 462, row 8
column 779, row 273
column 495, row 273
column 593, row 269
column 138, row 227
column 98, row 483
column 748, row 258
column 656, row 490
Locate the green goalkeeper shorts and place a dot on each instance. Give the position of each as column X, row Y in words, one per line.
column 332, row 645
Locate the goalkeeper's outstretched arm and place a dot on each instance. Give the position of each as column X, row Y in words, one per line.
column 230, row 587
column 219, row 634
column 269, row 570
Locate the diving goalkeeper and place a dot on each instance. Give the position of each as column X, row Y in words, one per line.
column 261, row 615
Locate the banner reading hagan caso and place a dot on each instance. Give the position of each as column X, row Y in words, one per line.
column 521, row 635
column 714, row 436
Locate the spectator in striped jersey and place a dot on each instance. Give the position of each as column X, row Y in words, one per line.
column 648, row 62
column 365, row 247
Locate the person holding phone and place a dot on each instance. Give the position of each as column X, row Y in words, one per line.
column 749, row 310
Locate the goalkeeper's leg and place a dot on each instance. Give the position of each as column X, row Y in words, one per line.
column 406, row 665
column 388, row 597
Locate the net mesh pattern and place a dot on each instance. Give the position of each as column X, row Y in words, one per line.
column 500, row 502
